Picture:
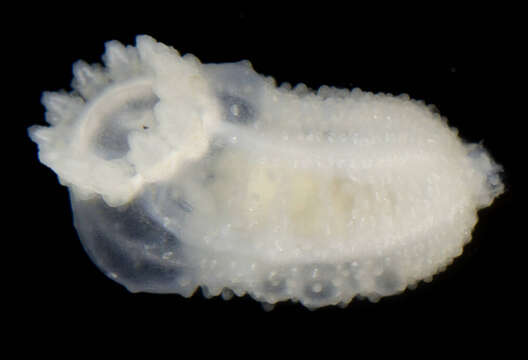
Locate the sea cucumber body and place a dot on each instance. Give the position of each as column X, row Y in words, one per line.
column 209, row 175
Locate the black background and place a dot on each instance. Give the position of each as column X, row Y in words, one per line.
column 450, row 61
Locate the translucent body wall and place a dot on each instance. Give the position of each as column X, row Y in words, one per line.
column 184, row 174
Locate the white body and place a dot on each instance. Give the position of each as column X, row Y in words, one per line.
column 185, row 174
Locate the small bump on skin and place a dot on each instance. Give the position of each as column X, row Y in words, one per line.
column 237, row 110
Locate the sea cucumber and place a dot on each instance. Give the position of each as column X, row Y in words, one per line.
column 186, row 175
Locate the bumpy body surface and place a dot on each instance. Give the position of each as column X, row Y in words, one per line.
column 184, row 174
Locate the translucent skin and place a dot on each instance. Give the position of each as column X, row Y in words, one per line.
column 184, row 174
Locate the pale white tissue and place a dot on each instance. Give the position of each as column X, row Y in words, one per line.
column 184, row 174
